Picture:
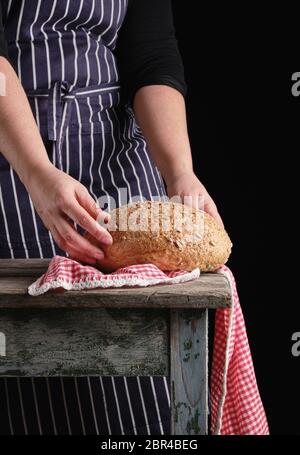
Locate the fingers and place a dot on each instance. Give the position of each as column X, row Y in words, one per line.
column 203, row 202
column 103, row 217
column 92, row 220
column 86, row 201
column 189, row 199
column 73, row 253
column 81, row 217
column 69, row 211
column 69, row 240
column 192, row 199
column 211, row 208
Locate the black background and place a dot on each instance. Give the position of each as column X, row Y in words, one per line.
column 244, row 127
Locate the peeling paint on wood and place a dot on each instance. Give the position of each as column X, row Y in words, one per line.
column 192, row 426
column 189, row 356
column 76, row 342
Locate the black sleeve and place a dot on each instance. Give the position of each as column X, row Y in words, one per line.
column 3, row 48
column 147, row 50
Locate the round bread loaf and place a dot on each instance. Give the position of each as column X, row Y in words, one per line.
column 169, row 235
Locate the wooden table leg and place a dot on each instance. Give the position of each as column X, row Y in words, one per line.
column 188, row 371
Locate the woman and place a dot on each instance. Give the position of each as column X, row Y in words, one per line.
column 105, row 86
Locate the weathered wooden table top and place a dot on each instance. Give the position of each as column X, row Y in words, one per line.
column 211, row 290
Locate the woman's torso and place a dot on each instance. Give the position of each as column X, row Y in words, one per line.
column 72, row 40
column 63, row 54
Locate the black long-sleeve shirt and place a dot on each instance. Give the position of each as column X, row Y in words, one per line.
column 146, row 50
column 3, row 48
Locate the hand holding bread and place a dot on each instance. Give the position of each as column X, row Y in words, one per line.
column 169, row 235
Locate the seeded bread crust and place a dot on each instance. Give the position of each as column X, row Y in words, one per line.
column 169, row 235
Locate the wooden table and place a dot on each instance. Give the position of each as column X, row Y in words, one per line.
column 157, row 330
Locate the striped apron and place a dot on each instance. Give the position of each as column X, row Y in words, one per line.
column 63, row 53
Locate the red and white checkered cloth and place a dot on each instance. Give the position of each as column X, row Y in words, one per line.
column 236, row 407
column 65, row 273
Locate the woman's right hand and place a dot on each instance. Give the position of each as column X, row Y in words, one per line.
column 60, row 201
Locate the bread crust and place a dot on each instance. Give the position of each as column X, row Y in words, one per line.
column 169, row 235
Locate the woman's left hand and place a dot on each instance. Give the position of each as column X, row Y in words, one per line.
column 187, row 184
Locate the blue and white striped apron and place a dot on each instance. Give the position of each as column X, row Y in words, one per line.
column 63, row 53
